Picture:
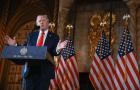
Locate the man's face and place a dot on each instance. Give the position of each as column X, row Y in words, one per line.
column 43, row 23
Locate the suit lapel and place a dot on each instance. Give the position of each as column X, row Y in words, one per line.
column 48, row 38
column 34, row 39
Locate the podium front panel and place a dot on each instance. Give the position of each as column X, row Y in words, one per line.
column 24, row 52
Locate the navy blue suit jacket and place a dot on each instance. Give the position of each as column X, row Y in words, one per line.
column 38, row 74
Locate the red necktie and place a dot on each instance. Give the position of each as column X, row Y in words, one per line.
column 40, row 42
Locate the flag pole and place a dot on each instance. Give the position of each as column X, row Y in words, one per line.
column 126, row 17
column 110, row 25
column 102, row 24
column 69, row 28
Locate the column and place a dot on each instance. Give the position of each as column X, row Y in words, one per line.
column 64, row 8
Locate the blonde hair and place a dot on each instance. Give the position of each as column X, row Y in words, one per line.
column 45, row 16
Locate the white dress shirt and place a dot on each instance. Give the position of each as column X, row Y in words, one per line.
column 45, row 36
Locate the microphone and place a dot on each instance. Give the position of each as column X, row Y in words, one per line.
column 35, row 28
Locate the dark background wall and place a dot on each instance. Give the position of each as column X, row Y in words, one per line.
column 17, row 15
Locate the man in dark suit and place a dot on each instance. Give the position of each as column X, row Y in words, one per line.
column 38, row 74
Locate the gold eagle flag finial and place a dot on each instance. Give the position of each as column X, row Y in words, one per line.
column 52, row 26
column 103, row 23
column 126, row 17
column 69, row 27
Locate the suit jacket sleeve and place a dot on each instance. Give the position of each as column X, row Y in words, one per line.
column 56, row 40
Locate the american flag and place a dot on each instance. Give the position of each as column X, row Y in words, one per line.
column 53, row 82
column 67, row 72
column 102, row 67
column 127, row 75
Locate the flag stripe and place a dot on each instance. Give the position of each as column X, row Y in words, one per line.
column 128, row 84
column 95, row 70
column 125, row 70
column 102, row 69
column 50, row 86
column 118, row 85
column 70, row 68
column 107, row 68
column 105, row 76
column 119, row 78
column 66, row 81
column 111, row 64
column 130, row 77
column 53, row 84
column 59, row 80
column 67, row 74
column 94, row 80
column 121, row 68
column 75, row 66
column 131, row 73
column 126, row 64
column 74, row 72
column 62, row 75
column 133, row 65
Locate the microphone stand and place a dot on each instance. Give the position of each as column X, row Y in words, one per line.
column 26, row 63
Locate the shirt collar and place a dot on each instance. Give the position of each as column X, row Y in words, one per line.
column 46, row 31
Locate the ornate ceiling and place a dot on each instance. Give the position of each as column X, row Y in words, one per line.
column 14, row 13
